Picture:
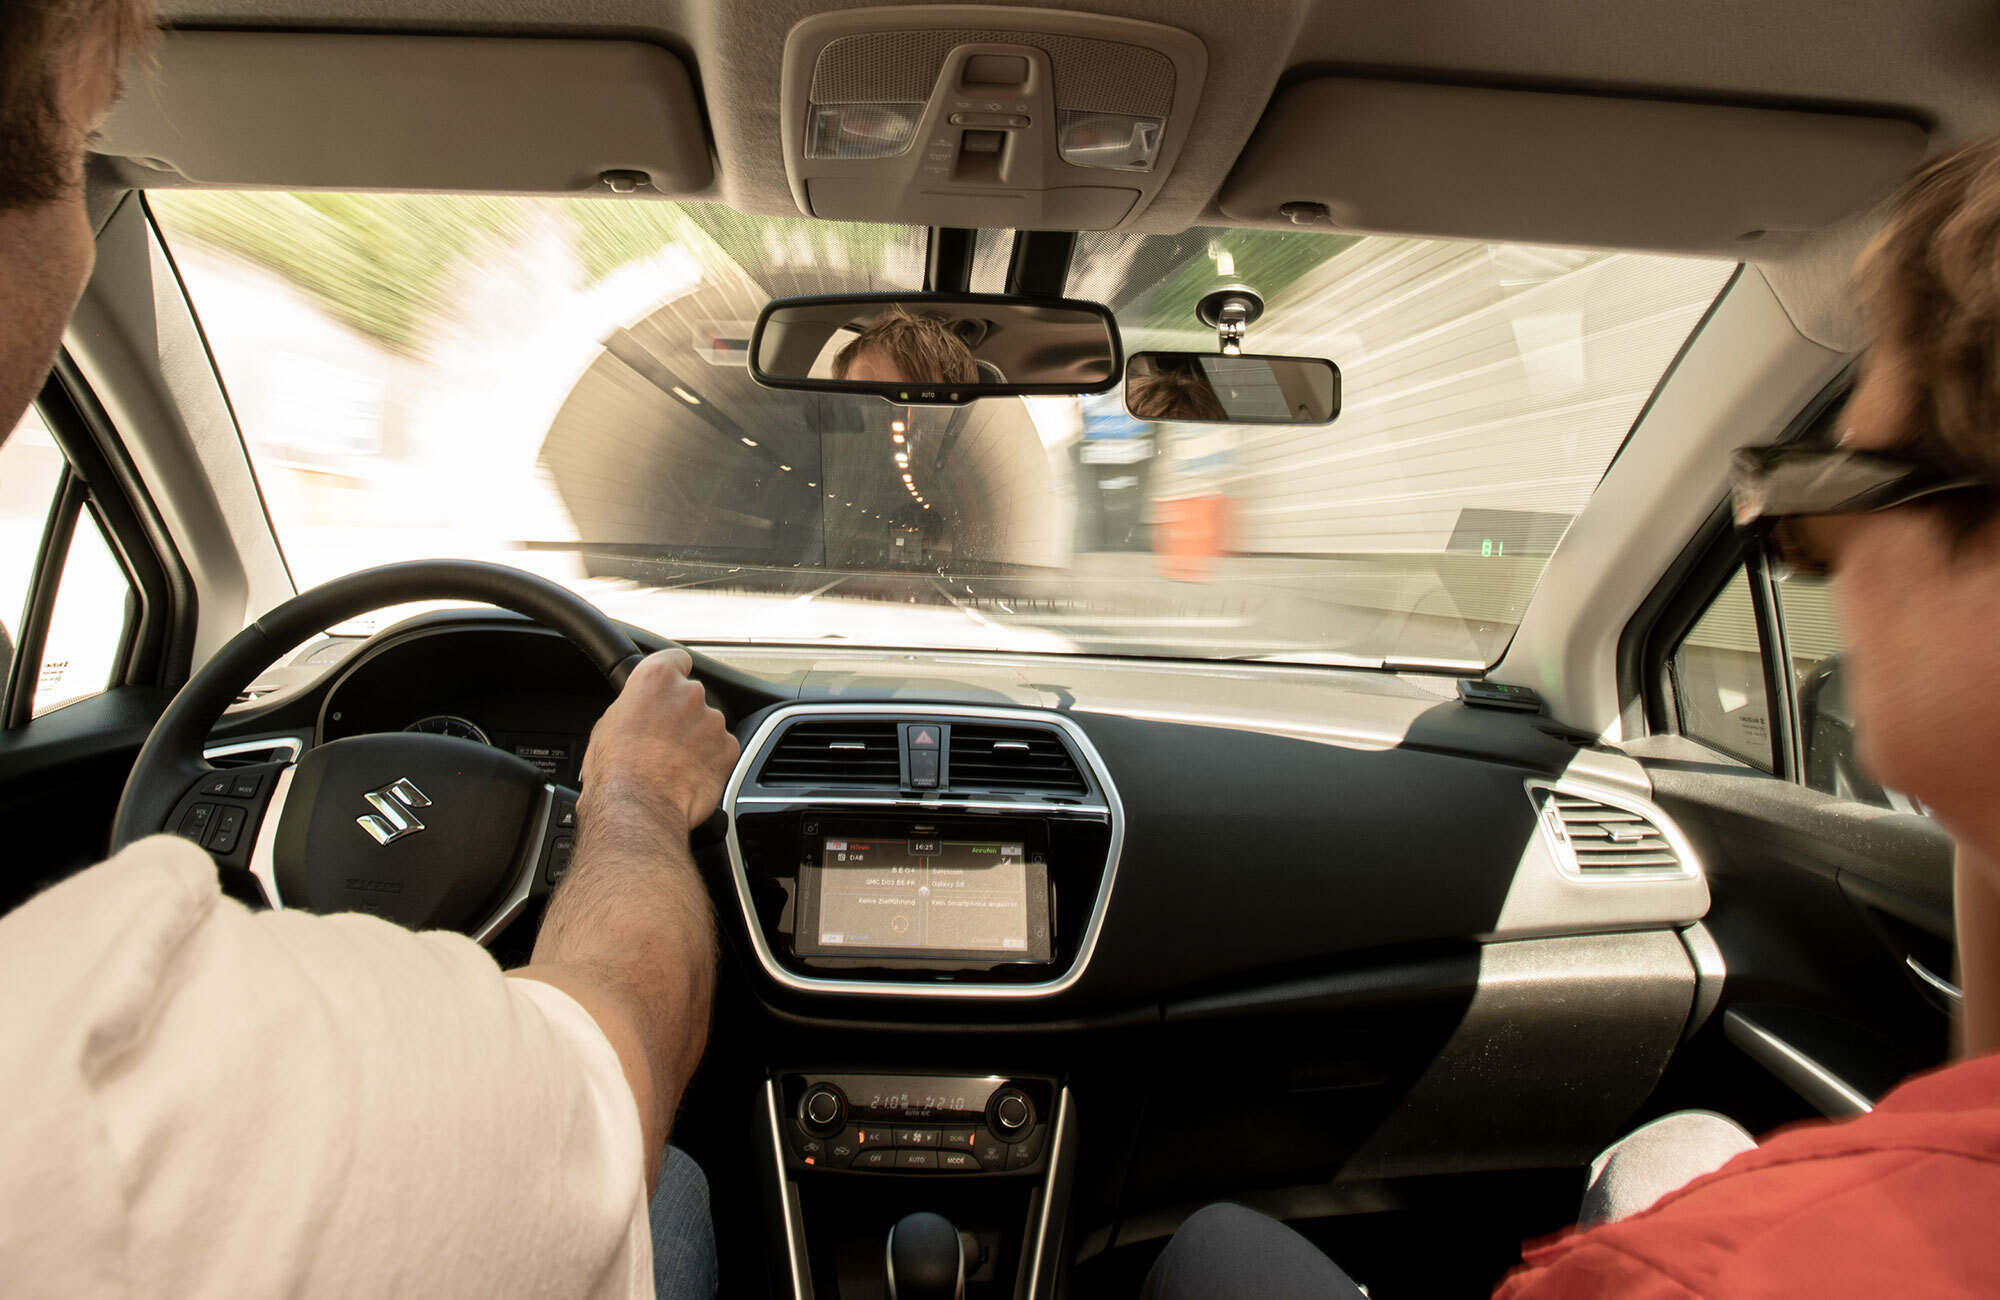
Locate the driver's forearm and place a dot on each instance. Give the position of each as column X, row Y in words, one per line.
column 630, row 932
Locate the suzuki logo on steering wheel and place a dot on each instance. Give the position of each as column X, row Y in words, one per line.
column 395, row 812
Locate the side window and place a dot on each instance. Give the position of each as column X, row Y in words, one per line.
column 31, row 470
column 1718, row 678
column 1826, row 721
column 87, row 626
column 86, row 630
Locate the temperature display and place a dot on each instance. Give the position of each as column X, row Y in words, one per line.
column 881, row 1097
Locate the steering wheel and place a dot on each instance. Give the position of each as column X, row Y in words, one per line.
column 428, row 831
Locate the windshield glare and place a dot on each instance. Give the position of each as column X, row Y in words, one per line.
column 560, row 385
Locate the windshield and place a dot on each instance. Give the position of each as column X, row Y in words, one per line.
column 559, row 385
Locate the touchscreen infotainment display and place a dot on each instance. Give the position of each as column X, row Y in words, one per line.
column 917, row 895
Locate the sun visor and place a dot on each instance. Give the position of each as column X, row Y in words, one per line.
column 1537, row 167
column 327, row 111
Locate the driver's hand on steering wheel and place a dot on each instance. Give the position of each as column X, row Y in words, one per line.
column 659, row 752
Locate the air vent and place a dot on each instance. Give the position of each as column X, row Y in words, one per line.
column 1012, row 758
column 1602, row 840
column 834, row 753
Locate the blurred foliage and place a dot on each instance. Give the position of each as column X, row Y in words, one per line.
column 383, row 263
column 376, row 262
column 1266, row 260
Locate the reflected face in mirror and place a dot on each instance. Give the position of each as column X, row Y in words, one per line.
column 1212, row 388
column 936, row 347
column 1173, row 395
column 899, row 348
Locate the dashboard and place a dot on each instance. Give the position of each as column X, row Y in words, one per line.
column 1264, row 926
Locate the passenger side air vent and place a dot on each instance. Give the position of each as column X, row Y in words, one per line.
column 1012, row 758
column 834, row 753
column 1600, row 839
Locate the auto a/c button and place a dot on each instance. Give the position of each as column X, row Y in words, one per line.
column 916, row 1160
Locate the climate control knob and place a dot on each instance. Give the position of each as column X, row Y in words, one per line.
column 822, row 1109
column 1011, row 1113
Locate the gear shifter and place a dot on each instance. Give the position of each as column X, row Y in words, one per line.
column 925, row 1259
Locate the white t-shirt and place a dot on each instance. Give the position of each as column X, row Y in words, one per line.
column 199, row 1100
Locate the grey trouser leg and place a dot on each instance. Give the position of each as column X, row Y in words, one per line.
column 683, row 1231
column 1225, row 1252
column 1657, row 1158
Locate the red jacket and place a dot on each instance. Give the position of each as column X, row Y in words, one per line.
column 1902, row 1203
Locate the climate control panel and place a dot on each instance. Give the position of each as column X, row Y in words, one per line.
column 916, row 1124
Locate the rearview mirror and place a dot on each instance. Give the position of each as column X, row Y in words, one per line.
column 930, row 349
column 1214, row 388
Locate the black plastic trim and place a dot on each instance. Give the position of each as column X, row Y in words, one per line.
column 947, row 261
column 1038, row 265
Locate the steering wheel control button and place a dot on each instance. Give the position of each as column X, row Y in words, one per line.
column 875, row 1158
column 195, row 825
column 227, row 830
column 926, row 1160
column 958, row 1162
column 1027, row 1151
column 217, row 787
column 560, row 854
column 1011, row 1113
column 959, row 1139
column 916, row 1137
column 246, row 785
column 566, row 816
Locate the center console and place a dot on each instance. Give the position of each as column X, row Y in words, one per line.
column 933, row 852
column 947, row 852
column 856, row 1153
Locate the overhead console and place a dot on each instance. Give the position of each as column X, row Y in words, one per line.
column 963, row 115
column 1474, row 162
column 947, row 851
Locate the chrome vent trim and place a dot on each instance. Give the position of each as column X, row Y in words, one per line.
column 835, row 753
column 1598, row 834
column 1032, row 759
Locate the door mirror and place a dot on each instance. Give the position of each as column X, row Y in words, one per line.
column 1214, row 388
column 928, row 349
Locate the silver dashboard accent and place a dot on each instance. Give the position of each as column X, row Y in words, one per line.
column 294, row 744
column 1935, row 980
column 788, row 1195
column 524, row 874
column 261, row 863
column 1832, row 1095
column 1049, row 1185
column 1110, row 808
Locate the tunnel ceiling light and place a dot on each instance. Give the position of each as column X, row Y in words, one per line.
column 816, row 485
column 829, row 496
column 686, row 396
column 927, row 505
column 897, row 426
column 898, row 438
column 906, row 478
column 749, row 442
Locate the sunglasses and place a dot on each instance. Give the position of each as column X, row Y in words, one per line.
column 1788, row 497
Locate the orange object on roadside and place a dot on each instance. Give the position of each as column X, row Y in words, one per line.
column 1189, row 533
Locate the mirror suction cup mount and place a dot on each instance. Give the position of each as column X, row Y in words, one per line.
column 1231, row 310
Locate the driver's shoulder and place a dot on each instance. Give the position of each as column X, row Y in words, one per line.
column 91, row 954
